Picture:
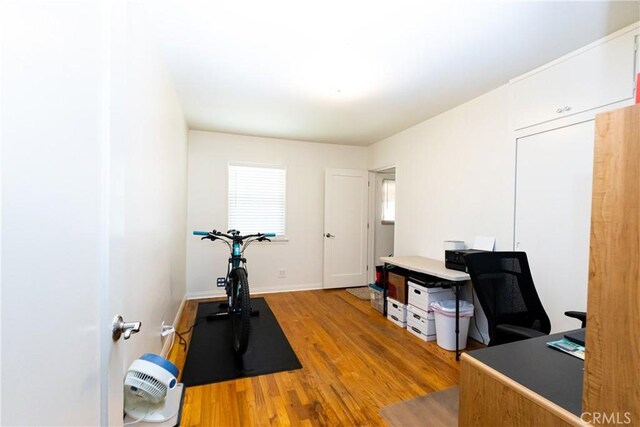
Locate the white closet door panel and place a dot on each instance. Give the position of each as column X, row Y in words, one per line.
column 537, row 98
column 553, row 214
column 601, row 76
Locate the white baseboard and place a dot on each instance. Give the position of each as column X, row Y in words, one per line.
column 296, row 288
column 169, row 339
column 258, row 290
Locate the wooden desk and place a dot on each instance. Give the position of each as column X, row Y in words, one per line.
column 522, row 383
column 435, row 268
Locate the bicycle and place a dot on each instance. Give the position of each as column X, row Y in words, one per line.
column 238, row 305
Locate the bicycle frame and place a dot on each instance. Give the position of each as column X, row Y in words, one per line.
column 238, row 306
column 235, row 261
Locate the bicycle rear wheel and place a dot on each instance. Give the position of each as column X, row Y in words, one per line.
column 241, row 311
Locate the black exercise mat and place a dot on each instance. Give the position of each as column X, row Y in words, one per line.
column 211, row 358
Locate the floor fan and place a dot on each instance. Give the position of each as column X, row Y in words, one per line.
column 150, row 389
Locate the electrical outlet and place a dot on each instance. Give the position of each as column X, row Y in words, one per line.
column 282, row 273
column 220, row 282
column 166, row 329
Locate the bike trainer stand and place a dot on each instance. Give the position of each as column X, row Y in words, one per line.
column 224, row 312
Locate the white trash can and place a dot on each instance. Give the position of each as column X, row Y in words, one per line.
column 445, row 316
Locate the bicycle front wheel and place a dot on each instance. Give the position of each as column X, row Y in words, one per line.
column 241, row 312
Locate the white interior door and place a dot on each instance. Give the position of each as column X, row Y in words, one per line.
column 114, row 230
column 345, row 228
column 553, row 216
column 56, row 288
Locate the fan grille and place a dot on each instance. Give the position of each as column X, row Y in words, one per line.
column 152, row 389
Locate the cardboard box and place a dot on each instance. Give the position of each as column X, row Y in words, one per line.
column 397, row 287
column 396, row 320
column 397, row 309
column 421, row 297
column 420, row 325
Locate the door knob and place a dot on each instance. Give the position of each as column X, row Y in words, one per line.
column 329, row 235
column 120, row 327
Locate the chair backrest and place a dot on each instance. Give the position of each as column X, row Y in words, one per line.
column 503, row 283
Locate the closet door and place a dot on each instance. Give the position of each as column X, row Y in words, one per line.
column 552, row 216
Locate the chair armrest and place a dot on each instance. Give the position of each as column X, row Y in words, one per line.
column 580, row 315
column 510, row 333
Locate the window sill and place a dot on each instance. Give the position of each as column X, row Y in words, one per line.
column 280, row 239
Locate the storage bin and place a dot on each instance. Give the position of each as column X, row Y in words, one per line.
column 393, row 318
column 397, row 309
column 420, row 325
column 377, row 299
column 421, row 297
column 445, row 317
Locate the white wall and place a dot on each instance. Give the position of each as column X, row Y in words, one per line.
column 149, row 189
column 454, row 179
column 301, row 256
column 94, row 153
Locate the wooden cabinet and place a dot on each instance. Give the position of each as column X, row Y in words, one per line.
column 612, row 376
column 600, row 75
column 493, row 395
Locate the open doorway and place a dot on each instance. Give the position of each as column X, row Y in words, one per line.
column 382, row 197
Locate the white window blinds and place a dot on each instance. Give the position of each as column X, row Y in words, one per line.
column 257, row 199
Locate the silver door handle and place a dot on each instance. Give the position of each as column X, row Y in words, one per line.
column 329, row 235
column 120, row 327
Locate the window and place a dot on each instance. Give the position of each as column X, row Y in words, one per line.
column 388, row 201
column 257, row 199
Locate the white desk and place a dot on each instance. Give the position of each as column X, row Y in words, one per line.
column 427, row 266
column 435, row 268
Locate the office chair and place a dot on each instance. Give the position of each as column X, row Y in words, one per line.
column 503, row 283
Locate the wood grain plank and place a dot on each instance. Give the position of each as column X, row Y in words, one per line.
column 489, row 398
column 612, row 377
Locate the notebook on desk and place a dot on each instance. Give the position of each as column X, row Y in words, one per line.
column 577, row 336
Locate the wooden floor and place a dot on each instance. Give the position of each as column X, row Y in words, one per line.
column 354, row 361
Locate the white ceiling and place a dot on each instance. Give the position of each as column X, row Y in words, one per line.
column 355, row 72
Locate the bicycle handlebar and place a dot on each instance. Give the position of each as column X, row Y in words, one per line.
column 231, row 237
